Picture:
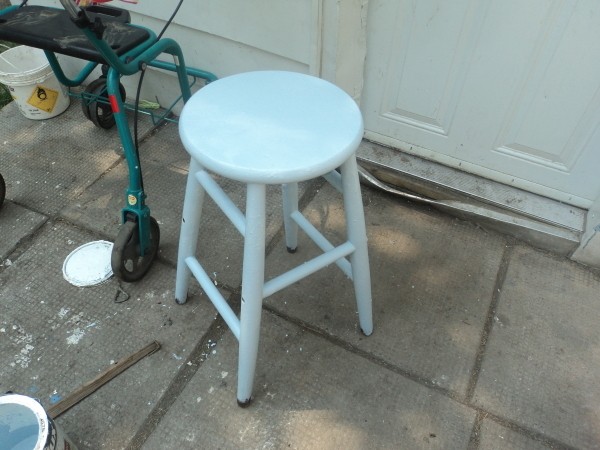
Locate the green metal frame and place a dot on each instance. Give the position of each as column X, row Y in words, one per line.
column 128, row 64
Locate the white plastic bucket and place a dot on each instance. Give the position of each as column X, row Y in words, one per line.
column 26, row 73
column 24, row 425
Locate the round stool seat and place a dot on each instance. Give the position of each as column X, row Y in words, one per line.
column 270, row 127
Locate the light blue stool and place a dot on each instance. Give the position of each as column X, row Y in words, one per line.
column 264, row 128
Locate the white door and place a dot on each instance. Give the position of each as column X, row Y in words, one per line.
column 505, row 89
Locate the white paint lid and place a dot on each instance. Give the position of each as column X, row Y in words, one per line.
column 89, row 264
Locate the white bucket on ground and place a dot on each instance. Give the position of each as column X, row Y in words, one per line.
column 28, row 76
column 24, row 425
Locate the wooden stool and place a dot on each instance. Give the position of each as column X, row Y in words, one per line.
column 264, row 128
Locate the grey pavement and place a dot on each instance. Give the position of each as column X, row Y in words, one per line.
column 480, row 341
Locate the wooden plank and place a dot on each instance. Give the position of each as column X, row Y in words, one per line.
column 108, row 374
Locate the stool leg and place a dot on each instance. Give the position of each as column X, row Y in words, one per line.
column 190, row 228
column 357, row 235
column 290, row 205
column 253, row 277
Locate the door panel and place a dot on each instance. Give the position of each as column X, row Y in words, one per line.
column 506, row 89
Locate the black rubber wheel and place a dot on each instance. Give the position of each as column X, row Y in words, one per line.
column 99, row 112
column 126, row 262
column 85, row 106
column 2, row 190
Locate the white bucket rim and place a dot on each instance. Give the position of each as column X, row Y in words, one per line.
column 28, row 82
column 37, row 409
column 24, row 77
column 89, row 264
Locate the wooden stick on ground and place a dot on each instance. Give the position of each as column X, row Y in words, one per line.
column 108, row 374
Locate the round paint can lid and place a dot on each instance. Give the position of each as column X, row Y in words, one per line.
column 89, row 264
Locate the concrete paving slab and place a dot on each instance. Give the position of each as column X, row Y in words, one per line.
column 48, row 163
column 99, row 208
column 56, row 337
column 164, row 148
column 220, row 246
column 16, row 223
column 432, row 279
column 494, row 436
column 309, row 394
column 541, row 364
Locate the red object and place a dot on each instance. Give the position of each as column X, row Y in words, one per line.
column 114, row 104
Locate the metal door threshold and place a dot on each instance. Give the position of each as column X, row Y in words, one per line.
column 540, row 221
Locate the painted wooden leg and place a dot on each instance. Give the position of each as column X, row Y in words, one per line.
column 290, row 205
column 190, row 228
column 357, row 234
column 253, row 275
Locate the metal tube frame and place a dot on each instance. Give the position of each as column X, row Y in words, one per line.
column 130, row 63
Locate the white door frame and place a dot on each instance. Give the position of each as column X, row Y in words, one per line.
column 343, row 52
column 343, row 46
column 588, row 252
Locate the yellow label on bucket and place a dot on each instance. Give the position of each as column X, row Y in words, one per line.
column 43, row 98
